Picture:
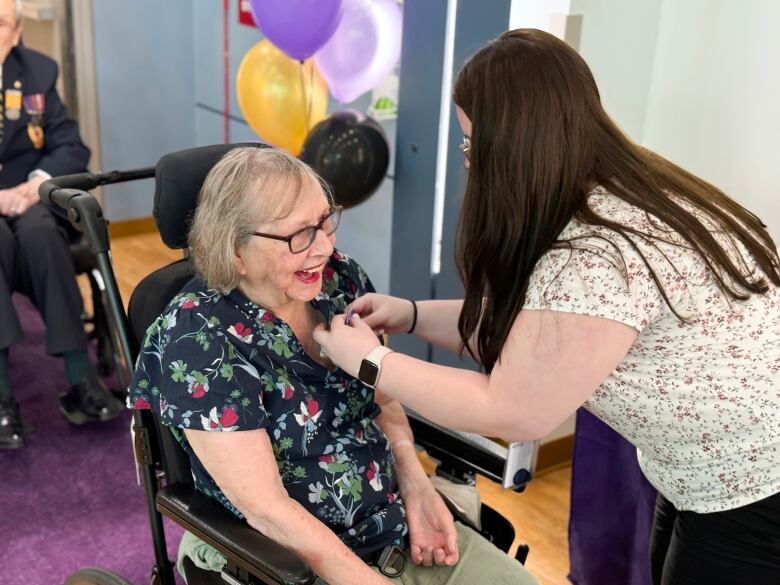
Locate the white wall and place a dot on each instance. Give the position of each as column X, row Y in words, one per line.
column 536, row 13
column 617, row 39
column 713, row 103
column 618, row 42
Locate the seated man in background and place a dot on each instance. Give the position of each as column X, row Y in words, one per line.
column 38, row 140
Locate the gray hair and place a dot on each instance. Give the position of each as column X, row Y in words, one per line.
column 229, row 207
column 18, row 7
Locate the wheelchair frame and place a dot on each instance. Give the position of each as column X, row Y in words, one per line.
column 511, row 465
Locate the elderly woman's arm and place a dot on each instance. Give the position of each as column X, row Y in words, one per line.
column 244, row 467
column 433, row 538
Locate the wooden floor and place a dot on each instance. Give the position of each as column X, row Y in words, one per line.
column 539, row 515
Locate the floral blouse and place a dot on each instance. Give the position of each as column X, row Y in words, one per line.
column 699, row 399
column 218, row 362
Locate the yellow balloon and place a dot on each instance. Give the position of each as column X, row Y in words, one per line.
column 281, row 99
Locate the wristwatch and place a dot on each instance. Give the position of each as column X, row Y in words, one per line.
column 371, row 366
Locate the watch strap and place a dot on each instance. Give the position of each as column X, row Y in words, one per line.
column 375, row 355
column 374, row 358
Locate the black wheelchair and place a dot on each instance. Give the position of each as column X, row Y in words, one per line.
column 251, row 557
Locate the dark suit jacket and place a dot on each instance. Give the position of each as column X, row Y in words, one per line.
column 63, row 151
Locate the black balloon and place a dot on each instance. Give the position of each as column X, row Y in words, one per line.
column 350, row 152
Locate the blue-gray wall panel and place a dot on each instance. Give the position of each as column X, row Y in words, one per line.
column 145, row 83
column 416, row 149
column 209, row 128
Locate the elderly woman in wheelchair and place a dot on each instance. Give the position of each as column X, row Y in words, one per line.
column 308, row 455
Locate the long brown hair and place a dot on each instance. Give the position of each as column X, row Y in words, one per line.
column 540, row 140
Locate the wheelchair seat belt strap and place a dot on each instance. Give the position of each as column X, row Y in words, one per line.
column 390, row 560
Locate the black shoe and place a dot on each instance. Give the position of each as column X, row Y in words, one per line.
column 89, row 401
column 11, row 428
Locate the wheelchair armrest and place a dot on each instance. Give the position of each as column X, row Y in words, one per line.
column 242, row 545
column 464, row 454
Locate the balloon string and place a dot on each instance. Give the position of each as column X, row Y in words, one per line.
column 303, row 95
column 307, row 105
column 311, row 96
column 226, row 71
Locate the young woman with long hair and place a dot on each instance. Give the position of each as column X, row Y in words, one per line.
column 598, row 273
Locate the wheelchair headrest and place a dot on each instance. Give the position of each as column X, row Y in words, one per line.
column 178, row 179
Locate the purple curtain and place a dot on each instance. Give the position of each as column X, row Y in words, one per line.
column 611, row 509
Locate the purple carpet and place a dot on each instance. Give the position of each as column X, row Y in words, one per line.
column 68, row 499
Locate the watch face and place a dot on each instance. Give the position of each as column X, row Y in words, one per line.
column 368, row 372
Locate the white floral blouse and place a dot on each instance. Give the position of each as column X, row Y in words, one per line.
column 700, row 400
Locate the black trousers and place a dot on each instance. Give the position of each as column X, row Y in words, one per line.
column 735, row 547
column 35, row 260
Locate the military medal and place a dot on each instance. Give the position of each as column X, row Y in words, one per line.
column 35, row 133
column 13, row 104
column 35, row 106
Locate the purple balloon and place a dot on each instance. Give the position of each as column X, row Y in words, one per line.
column 298, row 27
column 364, row 49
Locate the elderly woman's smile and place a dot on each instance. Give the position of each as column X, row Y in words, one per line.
column 310, row 275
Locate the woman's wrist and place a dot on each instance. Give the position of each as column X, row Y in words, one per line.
column 411, row 475
column 414, row 317
column 413, row 483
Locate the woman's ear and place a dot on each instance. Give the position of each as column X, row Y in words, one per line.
column 240, row 264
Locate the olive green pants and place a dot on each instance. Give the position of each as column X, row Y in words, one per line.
column 480, row 563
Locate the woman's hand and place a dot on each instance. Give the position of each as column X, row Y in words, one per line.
column 346, row 345
column 433, row 538
column 383, row 313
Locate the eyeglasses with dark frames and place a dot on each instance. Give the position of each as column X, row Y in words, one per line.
column 302, row 240
column 465, row 147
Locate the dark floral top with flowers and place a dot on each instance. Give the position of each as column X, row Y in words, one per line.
column 218, row 362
